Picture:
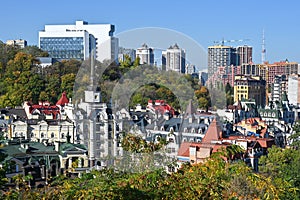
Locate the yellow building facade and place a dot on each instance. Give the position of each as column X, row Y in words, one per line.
column 250, row 87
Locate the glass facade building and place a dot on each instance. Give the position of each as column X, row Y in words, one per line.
column 63, row 47
column 77, row 41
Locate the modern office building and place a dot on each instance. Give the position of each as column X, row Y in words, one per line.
column 250, row 87
column 77, row 41
column 294, row 89
column 21, row 43
column 174, row 59
column 145, row 54
column 244, row 54
column 220, row 56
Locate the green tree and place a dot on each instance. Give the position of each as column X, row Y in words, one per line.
column 67, row 84
column 20, row 83
column 34, row 51
column 52, row 87
column 283, row 166
column 295, row 137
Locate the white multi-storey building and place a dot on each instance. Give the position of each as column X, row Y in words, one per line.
column 145, row 54
column 174, row 59
column 294, row 89
column 77, row 41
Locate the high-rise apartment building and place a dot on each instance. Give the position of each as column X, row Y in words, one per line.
column 145, row 54
column 244, row 54
column 220, row 56
column 250, row 87
column 294, row 89
column 77, row 41
column 174, row 59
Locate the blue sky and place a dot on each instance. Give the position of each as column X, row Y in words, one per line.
column 204, row 21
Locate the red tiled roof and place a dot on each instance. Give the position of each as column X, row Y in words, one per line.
column 213, row 132
column 63, row 99
column 184, row 149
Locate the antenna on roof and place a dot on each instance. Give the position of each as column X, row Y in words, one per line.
column 263, row 51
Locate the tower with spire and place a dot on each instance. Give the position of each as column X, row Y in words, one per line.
column 96, row 126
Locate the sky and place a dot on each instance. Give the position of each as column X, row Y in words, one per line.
column 201, row 21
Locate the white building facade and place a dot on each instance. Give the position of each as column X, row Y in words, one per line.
column 145, row 54
column 174, row 59
column 294, row 89
column 78, row 40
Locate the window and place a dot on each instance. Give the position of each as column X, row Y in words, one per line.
column 52, row 135
column 171, row 140
column 63, row 135
column 42, row 135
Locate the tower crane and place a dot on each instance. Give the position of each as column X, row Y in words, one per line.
column 229, row 41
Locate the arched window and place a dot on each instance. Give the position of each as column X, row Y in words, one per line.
column 157, row 138
column 62, row 135
column 42, row 135
column 52, row 135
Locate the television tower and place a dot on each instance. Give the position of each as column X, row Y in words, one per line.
column 263, row 51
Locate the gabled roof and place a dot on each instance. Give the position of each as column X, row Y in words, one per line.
column 213, row 133
column 63, row 99
column 190, row 110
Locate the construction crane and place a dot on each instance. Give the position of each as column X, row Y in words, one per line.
column 229, row 41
